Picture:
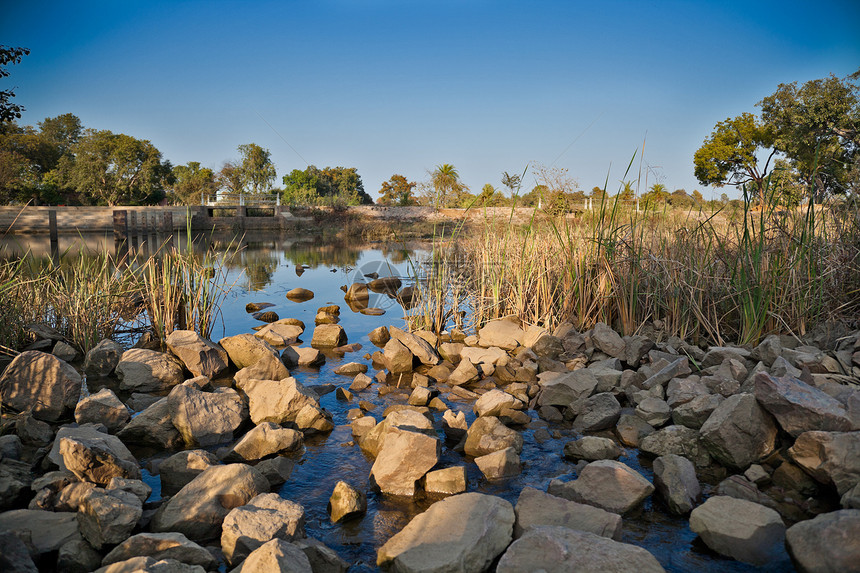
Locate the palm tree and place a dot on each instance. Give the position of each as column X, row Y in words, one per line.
column 447, row 184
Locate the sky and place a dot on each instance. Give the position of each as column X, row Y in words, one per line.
column 401, row 86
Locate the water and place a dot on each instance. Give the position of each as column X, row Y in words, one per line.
column 263, row 272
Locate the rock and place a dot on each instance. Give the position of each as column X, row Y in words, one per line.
column 135, row 487
column 740, row 487
column 43, row 531
column 676, row 369
column 161, row 546
column 200, row 356
column 152, row 427
column 14, row 557
column 404, row 458
column 300, row 294
column 503, row 333
column 464, row 373
column 103, row 407
column 357, row 291
column 654, row 411
column 446, row 481
column 567, row 390
column 739, row 432
column 64, row 351
column 487, row 435
column 149, row 565
column 313, row 419
column 266, row 316
column 832, row 458
column 181, row 468
column 32, row 431
column 102, row 359
column 599, row 412
column 328, row 336
column 205, row 418
column 557, row 549
column 15, row 482
column 609, row 485
column 473, row 528
column 799, row 407
column 636, row 348
column 302, row 356
column 682, row 390
column 78, row 556
column 198, row 509
column 385, row 285
column 279, row 334
column 346, row 502
column 420, row 348
column 828, row 543
column 264, row 440
column 739, row 529
column 493, row 402
column 397, row 358
column 678, row 440
column 695, row 413
column 591, row 448
column 142, row 370
column 108, row 517
column 676, row 482
column 379, row 336
column 535, row 508
column 41, row 384
column 93, row 456
column 716, row 355
column 501, row 464
column 267, row 516
column 322, row 558
column 71, row 496
column 608, row 341
column 276, row 555
column 276, row 470
column 631, row 429
column 277, row 401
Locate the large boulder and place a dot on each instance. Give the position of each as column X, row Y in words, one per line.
column 404, row 459
column 162, row 546
column 372, row 441
column 679, row 440
column 146, row 564
column 200, row 356
column 599, row 412
column 503, row 333
column 142, row 370
column 14, row 557
column 464, row 532
column 102, row 359
column 501, row 464
column 676, row 482
column 246, row 350
column 43, row 531
column 833, row 458
column 205, row 418
column 829, row 543
column 494, row 402
column 268, row 516
column 397, row 357
column 152, row 427
column 559, row 549
column 93, row 456
column 199, row 509
column 799, row 407
column 535, row 508
column 264, row 440
column 40, row 383
column 279, row 334
column 276, row 555
column 278, row 401
column 568, row 390
column 609, row 485
column 107, row 517
column 419, row 347
column 103, row 407
column 328, row 336
column 739, row 529
column 488, row 434
column 739, row 432
column 608, row 341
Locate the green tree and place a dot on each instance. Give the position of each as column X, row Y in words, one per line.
column 786, row 183
column 108, row 168
column 657, row 194
column 8, row 55
column 447, row 186
column 230, row 178
column 258, row 171
column 627, row 193
column 397, row 191
column 698, row 199
column 512, row 182
column 817, row 127
column 64, row 131
column 729, row 156
column 28, row 163
column 679, row 198
column 190, row 183
column 337, row 186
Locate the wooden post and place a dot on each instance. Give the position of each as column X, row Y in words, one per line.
column 132, row 228
column 55, row 240
column 120, row 234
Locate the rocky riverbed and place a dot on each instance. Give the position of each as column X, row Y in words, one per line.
column 511, row 449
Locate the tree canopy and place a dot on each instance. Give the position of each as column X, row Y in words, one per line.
column 256, row 168
column 397, row 191
column 447, row 187
column 190, row 183
column 10, row 111
column 336, row 186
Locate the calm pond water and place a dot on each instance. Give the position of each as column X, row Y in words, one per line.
column 263, row 272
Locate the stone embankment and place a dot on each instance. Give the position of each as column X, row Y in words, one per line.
column 776, row 427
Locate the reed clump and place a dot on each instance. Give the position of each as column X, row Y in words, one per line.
column 709, row 277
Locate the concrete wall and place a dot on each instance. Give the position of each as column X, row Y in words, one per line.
column 84, row 219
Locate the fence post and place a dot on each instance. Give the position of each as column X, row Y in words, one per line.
column 55, row 240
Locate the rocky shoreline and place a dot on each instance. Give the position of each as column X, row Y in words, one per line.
column 777, row 427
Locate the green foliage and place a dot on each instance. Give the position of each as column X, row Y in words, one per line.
column 397, row 191
column 817, row 126
column 448, row 190
column 190, row 182
column 256, row 168
column 115, row 169
column 8, row 55
column 729, row 154
column 335, row 186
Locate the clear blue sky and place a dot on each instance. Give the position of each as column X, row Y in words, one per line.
column 399, row 86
